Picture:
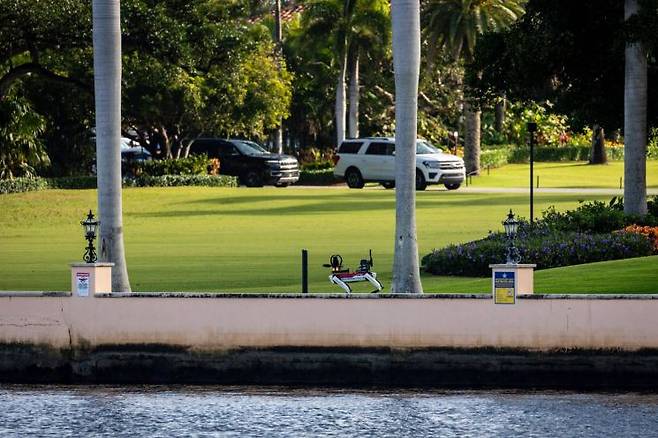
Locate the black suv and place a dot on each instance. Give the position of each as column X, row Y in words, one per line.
column 253, row 165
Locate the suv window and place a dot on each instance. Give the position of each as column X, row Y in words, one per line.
column 225, row 149
column 380, row 149
column 351, row 147
column 199, row 147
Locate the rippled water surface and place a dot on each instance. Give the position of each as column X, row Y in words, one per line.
column 156, row 411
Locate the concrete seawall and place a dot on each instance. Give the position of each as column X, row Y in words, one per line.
column 464, row 341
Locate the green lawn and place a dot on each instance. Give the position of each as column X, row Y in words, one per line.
column 212, row 239
column 639, row 275
column 567, row 174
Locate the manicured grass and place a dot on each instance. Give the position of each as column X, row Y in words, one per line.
column 218, row 239
column 639, row 275
column 568, row 174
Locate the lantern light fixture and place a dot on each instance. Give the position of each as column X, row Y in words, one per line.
column 90, row 226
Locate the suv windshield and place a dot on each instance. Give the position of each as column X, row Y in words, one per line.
column 424, row 147
column 249, row 147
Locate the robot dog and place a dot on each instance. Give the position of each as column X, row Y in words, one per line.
column 342, row 277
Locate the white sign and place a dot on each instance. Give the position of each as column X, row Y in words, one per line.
column 82, row 284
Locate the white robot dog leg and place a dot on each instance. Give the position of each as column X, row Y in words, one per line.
column 335, row 280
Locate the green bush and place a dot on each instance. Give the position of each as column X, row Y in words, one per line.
column 72, row 182
column 181, row 180
column 318, row 165
column 597, row 217
column 493, row 157
column 584, row 235
column 192, row 165
column 545, row 247
column 19, row 185
column 321, row 177
column 560, row 153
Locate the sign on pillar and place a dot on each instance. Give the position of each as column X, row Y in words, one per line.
column 509, row 280
column 504, row 287
column 88, row 279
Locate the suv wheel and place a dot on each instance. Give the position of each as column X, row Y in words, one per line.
column 454, row 186
column 354, row 179
column 388, row 184
column 421, row 183
column 253, row 179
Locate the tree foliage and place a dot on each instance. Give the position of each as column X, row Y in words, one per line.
column 21, row 150
column 190, row 68
column 571, row 53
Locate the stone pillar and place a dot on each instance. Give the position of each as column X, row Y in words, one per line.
column 88, row 279
column 523, row 277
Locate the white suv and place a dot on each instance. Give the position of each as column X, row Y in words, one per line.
column 373, row 159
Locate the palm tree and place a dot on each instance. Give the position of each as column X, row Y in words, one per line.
column 455, row 26
column 107, row 84
column 278, row 38
column 406, row 65
column 357, row 27
column 635, row 122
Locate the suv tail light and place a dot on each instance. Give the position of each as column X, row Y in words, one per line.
column 335, row 159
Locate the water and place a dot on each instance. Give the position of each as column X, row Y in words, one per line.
column 88, row 411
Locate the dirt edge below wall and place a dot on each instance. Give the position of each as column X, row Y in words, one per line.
column 350, row 367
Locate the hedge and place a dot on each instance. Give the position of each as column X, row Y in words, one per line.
column 192, row 165
column 317, row 177
column 566, row 153
column 493, row 157
column 499, row 156
column 182, row 180
column 72, row 182
column 19, row 185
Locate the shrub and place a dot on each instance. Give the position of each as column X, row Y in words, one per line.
column 650, row 233
column 73, row 182
column 192, row 165
column 594, row 217
column 598, row 217
column 321, row 177
column 493, row 157
column 547, row 248
column 558, row 153
column 318, row 165
column 18, row 185
column 181, row 180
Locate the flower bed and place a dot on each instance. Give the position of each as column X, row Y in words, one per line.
column 542, row 246
column 595, row 231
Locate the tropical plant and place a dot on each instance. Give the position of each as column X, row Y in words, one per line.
column 454, row 25
column 21, row 150
column 356, row 28
column 635, row 121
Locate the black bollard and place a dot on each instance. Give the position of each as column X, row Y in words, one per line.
column 304, row 271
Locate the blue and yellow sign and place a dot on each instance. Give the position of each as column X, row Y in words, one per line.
column 504, row 287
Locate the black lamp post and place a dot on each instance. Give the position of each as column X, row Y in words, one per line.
column 532, row 128
column 511, row 227
column 90, row 226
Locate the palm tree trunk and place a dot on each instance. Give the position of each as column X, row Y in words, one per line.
column 107, row 84
column 278, row 135
column 635, row 123
column 406, row 64
column 501, row 109
column 472, row 139
column 340, row 103
column 597, row 154
column 353, row 117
